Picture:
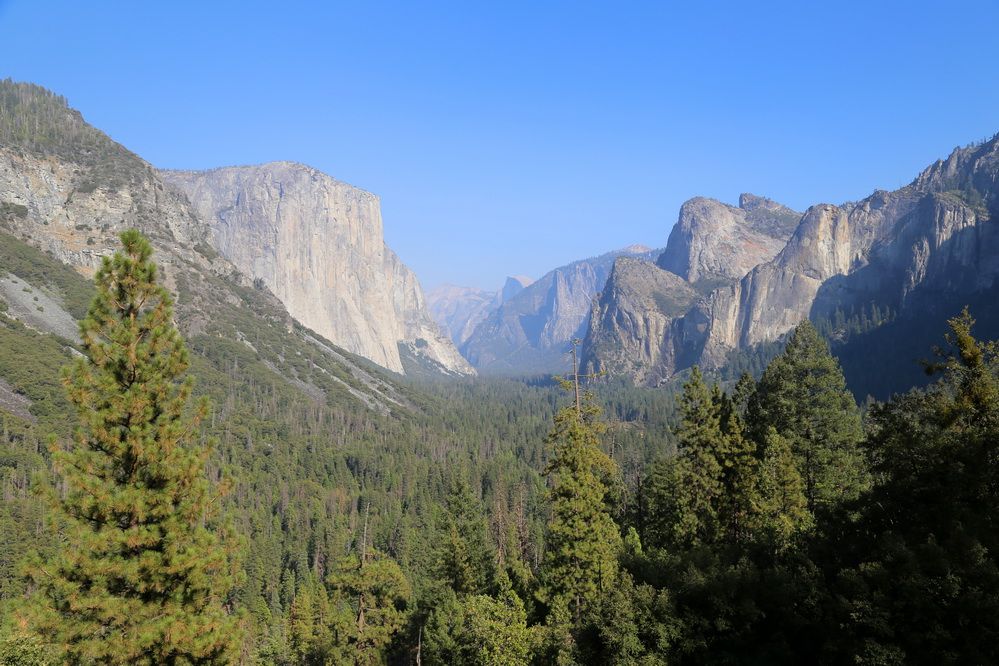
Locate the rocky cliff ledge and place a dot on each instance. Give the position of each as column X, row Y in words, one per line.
column 317, row 244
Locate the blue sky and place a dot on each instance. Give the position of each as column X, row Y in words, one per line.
column 508, row 138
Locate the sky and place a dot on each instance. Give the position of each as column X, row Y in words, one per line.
column 510, row 138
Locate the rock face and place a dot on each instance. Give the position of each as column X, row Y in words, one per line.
column 934, row 239
column 69, row 190
column 715, row 242
column 460, row 309
column 317, row 244
column 932, row 242
column 638, row 329
column 72, row 193
column 529, row 332
column 631, row 331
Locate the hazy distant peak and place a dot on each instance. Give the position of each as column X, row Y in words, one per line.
column 514, row 285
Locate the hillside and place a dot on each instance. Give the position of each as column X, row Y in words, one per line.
column 914, row 256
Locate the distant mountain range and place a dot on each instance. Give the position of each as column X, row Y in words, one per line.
column 526, row 327
column 251, row 251
column 879, row 276
column 282, row 229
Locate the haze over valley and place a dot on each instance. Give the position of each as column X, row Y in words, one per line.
column 498, row 335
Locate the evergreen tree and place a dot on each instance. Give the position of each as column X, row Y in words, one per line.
column 924, row 573
column 783, row 508
column 467, row 558
column 480, row 630
column 698, row 468
column 377, row 594
column 739, row 503
column 803, row 395
column 583, row 542
column 140, row 578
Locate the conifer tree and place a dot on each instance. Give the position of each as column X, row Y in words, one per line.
column 688, row 503
column 139, row 578
column 480, row 630
column 375, row 591
column 783, row 508
column 583, row 543
column 739, row 503
column 803, row 395
column 925, row 552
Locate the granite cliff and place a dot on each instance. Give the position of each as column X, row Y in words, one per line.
column 460, row 309
column 638, row 329
column 931, row 242
column 317, row 244
column 925, row 248
column 67, row 190
column 529, row 332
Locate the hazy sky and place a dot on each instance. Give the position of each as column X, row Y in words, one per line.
column 508, row 138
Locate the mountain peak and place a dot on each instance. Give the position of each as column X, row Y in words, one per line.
column 514, row 285
column 750, row 202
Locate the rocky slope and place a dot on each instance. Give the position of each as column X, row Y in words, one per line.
column 918, row 252
column 68, row 190
column 713, row 242
column 317, row 244
column 460, row 309
column 931, row 241
column 638, row 329
column 529, row 333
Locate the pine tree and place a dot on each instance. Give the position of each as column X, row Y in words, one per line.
column 739, row 504
column 803, row 395
column 783, row 508
column 302, row 623
column 377, row 594
column 583, row 543
column 480, row 630
column 140, row 578
column 685, row 490
column 925, row 552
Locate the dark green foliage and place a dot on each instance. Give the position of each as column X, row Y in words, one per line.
column 37, row 121
column 480, row 630
column 21, row 649
column 923, row 574
column 803, row 396
column 903, row 572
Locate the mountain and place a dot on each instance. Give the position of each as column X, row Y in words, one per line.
column 460, row 309
column 893, row 261
column 529, row 332
column 713, row 242
column 67, row 191
column 317, row 244
column 637, row 329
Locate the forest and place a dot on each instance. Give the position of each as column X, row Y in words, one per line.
column 198, row 511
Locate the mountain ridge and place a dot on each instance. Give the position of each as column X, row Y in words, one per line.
column 933, row 240
column 318, row 244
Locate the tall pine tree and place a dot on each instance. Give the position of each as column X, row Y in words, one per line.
column 803, row 396
column 139, row 577
column 583, row 544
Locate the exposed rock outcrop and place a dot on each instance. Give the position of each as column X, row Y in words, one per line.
column 638, row 329
column 530, row 332
column 460, row 309
column 68, row 190
column 713, row 242
column 631, row 331
column 318, row 245
column 913, row 250
column 933, row 239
